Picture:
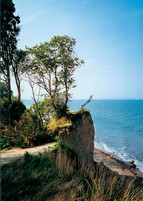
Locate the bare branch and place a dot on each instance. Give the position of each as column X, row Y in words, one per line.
column 34, row 98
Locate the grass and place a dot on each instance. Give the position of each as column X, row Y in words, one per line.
column 64, row 124
column 54, row 176
column 55, row 124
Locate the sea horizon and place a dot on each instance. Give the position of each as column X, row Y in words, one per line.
column 118, row 126
column 92, row 99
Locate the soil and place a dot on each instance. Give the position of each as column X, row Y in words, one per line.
column 15, row 153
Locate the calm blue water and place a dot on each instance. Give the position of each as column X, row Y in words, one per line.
column 118, row 126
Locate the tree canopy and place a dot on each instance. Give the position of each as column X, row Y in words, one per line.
column 9, row 33
column 51, row 66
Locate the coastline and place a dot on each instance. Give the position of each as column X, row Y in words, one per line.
column 129, row 123
column 115, row 164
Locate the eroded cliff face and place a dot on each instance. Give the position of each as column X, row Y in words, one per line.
column 81, row 137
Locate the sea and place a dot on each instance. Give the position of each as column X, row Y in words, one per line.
column 118, row 127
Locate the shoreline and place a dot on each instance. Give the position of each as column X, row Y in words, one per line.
column 115, row 163
column 102, row 158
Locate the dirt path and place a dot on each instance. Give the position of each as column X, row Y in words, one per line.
column 12, row 154
column 112, row 163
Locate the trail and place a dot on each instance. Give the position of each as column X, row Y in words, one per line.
column 13, row 154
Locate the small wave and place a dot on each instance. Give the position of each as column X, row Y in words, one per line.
column 119, row 152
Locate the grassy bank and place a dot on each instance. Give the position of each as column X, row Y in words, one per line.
column 55, row 176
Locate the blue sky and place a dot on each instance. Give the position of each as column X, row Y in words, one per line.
column 109, row 37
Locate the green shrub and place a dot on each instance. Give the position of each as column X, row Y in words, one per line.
column 60, row 108
column 16, row 109
column 60, row 146
column 27, row 132
column 4, row 106
column 44, row 108
column 11, row 138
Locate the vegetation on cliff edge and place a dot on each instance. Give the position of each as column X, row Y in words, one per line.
column 54, row 176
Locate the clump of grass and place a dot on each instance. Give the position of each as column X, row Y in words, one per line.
column 59, row 123
column 38, row 177
column 55, row 176
column 74, row 116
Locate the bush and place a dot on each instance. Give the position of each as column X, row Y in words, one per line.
column 4, row 105
column 16, row 110
column 60, row 108
column 65, row 149
column 44, row 108
column 11, row 138
column 33, row 132
column 49, row 109
column 27, row 132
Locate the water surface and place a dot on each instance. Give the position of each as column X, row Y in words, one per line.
column 118, row 126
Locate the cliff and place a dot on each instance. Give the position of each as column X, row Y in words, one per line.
column 80, row 136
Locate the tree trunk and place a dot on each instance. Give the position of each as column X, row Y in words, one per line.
column 17, row 81
column 9, row 92
column 66, row 87
column 19, row 95
column 9, row 85
column 32, row 87
column 18, row 88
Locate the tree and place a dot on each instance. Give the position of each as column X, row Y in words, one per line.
column 9, row 109
column 68, row 63
column 51, row 66
column 18, row 58
column 9, row 33
column 4, row 104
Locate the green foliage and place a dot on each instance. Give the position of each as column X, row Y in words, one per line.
column 27, row 132
column 26, row 129
column 11, row 138
column 33, row 131
column 4, row 105
column 38, row 178
column 60, row 108
column 4, row 91
column 45, row 109
column 19, row 57
column 13, row 110
column 51, row 65
column 52, row 176
column 29, row 175
column 74, row 116
column 16, row 109
column 9, row 32
column 65, row 148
